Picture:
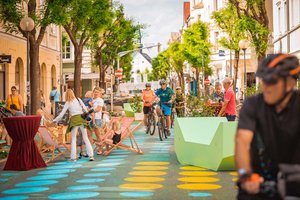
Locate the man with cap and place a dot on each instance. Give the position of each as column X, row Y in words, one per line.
column 268, row 133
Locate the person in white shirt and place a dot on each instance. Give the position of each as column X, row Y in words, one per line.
column 76, row 108
column 97, row 103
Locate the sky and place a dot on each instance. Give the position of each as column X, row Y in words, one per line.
column 160, row 16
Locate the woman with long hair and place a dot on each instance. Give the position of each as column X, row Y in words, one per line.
column 76, row 107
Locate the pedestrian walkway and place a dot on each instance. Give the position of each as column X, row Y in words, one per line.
column 122, row 175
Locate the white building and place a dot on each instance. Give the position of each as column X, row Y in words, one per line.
column 286, row 22
column 141, row 63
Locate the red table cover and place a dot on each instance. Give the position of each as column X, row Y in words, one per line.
column 24, row 154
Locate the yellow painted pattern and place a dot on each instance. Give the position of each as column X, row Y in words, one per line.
column 147, row 173
column 144, row 179
column 150, row 167
column 197, row 173
column 153, row 163
column 192, row 168
column 141, row 186
column 199, row 186
column 234, row 179
column 198, row 179
column 233, row 173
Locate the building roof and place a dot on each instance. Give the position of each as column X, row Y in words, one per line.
column 147, row 57
column 186, row 11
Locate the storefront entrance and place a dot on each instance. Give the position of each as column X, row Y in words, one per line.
column 2, row 83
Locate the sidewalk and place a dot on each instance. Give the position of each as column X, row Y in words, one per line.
column 122, row 175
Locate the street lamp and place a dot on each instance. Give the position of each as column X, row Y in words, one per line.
column 27, row 25
column 244, row 44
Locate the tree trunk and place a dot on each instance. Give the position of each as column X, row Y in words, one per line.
column 77, row 71
column 198, row 83
column 182, row 81
column 35, row 74
column 236, row 69
column 101, row 71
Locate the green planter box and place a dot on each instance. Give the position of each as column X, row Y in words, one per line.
column 206, row 142
column 128, row 110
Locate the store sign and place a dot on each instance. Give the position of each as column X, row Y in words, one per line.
column 221, row 52
column 5, row 59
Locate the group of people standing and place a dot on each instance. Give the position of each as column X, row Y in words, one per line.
column 92, row 103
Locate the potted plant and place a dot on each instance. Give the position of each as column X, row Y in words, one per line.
column 137, row 106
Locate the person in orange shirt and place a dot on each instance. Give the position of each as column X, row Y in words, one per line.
column 14, row 98
column 148, row 98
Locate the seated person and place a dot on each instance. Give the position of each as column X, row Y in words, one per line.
column 15, row 111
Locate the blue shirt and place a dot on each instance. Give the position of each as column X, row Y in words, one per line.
column 164, row 95
column 56, row 95
column 86, row 102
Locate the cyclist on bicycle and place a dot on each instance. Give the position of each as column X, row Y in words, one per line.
column 148, row 97
column 268, row 129
column 166, row 96
column 179, row 102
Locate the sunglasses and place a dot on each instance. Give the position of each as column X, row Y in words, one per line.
column 13, row 90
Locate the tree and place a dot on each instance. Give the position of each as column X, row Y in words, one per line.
column 119, row 36
column 254, row 20
column 160, row 66
column 81, row 20
column 197, row 48
column 228, row 21
column 176, row 60
column 11, row 13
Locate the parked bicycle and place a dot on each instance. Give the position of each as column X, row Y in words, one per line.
column 151, row 124
column 162, row 125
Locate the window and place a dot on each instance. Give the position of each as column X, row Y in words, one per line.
column 199, row 17
column 53, row 29
column 67, row 50
column 285, row 17
column 17, row 75
column 279, row 21
column 215, row 5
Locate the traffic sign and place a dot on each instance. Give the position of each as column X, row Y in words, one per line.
column 119, row 73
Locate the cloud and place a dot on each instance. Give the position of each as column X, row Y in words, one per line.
column 161, row 16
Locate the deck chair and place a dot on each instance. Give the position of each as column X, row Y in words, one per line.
column 126, row 133
column 51, row 142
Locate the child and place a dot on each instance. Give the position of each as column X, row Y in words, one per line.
column 116, row 127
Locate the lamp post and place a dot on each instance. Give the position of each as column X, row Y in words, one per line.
column 27, row 25
column 244, row 44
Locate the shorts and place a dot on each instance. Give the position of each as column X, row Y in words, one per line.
column 146, row 109
column 98, row 122
column 166, row 109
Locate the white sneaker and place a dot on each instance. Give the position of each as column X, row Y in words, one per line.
column 73, row 160
column 92, row 158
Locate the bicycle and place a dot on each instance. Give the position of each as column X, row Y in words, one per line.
column 151, row 125
column 162, row 121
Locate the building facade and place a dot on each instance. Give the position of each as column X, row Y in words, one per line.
column 286, row 22
column 14, row 73
column 141, row 64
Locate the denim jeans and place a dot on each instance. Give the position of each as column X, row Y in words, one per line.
column 230, row 117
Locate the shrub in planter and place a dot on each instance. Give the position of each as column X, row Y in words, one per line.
column 197, row 107
column 135, row 104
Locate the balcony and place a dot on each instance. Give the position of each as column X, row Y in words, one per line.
column 198, row 5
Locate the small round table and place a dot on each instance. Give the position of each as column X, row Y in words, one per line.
column 23, row 154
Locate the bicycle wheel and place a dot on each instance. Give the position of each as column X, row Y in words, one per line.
column 161, row 128
column 151, row 124
column 165, row 127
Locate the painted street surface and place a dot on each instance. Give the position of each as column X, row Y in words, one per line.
column 156, row 174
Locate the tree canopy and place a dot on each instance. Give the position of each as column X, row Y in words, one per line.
column 120, row 35
column 81, row 19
